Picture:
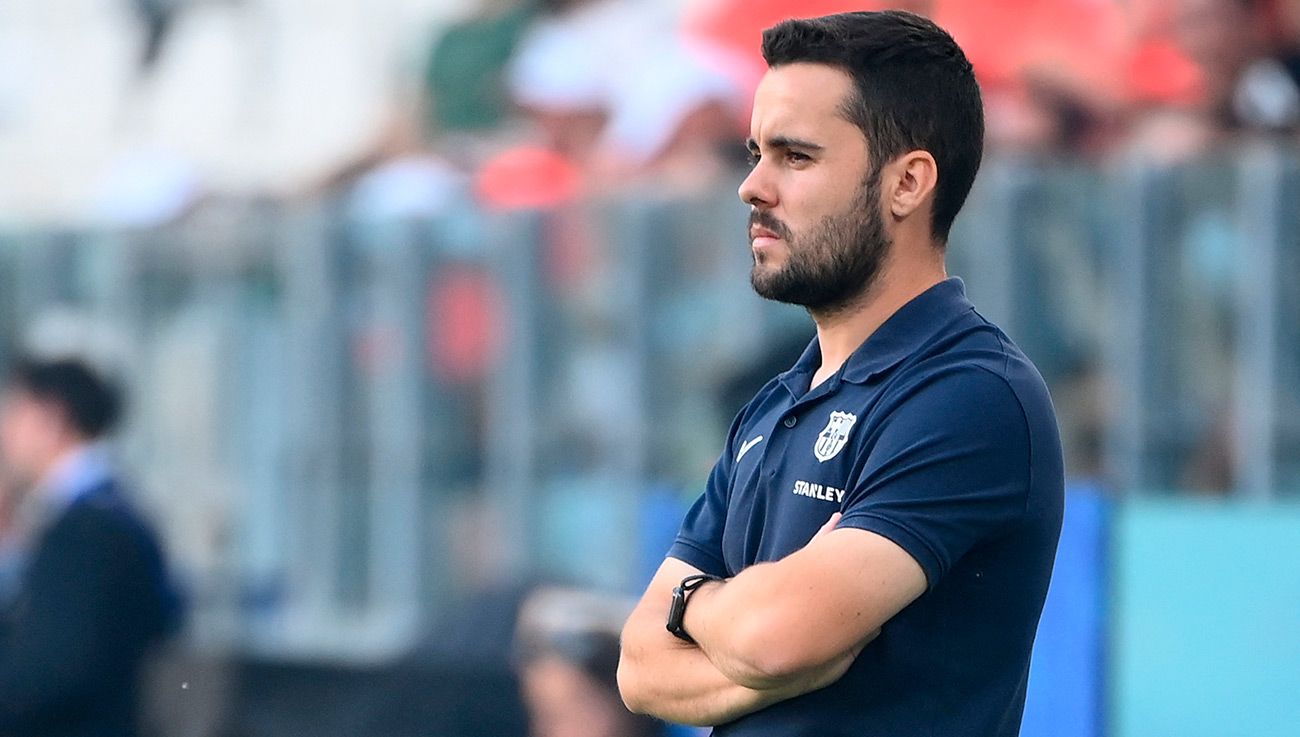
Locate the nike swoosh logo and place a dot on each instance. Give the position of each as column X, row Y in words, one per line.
column 745, row 448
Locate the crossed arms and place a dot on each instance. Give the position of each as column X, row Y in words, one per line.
column 776, row 631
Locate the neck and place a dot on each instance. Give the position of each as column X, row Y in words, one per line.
column 840, row 333
column 56, row 461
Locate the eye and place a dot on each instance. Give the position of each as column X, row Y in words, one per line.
column 795, row 157
column 752, row 157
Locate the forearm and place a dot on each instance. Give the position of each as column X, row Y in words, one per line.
column 753, row 628
column 729, row 620
column 675, row 681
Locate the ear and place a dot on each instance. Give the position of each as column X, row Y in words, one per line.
column 911, row 183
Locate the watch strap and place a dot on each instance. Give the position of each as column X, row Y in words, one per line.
column 677, row 608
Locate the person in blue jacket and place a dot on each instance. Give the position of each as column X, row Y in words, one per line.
column 85, row 592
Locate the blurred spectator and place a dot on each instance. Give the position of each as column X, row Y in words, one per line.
column 1205, row 68
column 461, row 92
column 567, row 650
column 464, row 89
column 1265, row 91
column 617, row 105
column 1050, row 70
column 414, row 167
column 730, row 32
column 92, row 593
column 593, row 94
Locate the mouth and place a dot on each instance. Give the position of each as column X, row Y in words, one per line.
column 762, row 238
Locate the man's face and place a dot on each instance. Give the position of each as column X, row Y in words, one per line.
column 816, row 226
column 31, row 431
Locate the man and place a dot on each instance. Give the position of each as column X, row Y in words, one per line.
column 91, row 593
column 878, row 536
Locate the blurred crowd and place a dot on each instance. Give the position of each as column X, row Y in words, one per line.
column 533, row 102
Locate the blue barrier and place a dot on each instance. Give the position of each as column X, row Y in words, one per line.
column 1066, row 674
column 1206, row 620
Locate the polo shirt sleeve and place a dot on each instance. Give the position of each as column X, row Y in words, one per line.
column 949, row 468
column 699, row 542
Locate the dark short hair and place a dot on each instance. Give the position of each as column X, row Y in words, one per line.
column 914, row 89
column 91, row 404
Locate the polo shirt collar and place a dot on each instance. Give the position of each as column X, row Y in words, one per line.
column 900, row 336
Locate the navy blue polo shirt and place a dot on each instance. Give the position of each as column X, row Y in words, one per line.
column 939, row 434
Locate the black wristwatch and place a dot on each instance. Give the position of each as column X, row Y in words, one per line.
column 677, row 610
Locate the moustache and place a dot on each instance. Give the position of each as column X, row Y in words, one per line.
column 765, row 219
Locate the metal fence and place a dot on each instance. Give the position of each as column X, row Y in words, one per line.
column 346, row 427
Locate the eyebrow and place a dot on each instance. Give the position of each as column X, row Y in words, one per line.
column 784, row 142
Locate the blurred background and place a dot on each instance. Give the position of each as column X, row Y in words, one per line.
column 433, row 315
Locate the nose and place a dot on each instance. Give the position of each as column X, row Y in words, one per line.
column 757, row 190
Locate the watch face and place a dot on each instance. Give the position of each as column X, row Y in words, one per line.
column 676, row 612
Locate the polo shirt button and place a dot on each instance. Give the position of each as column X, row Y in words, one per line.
column 790, row 421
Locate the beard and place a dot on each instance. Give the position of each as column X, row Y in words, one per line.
column 832, row 265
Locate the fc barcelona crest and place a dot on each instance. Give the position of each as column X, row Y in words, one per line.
column 832, row 439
